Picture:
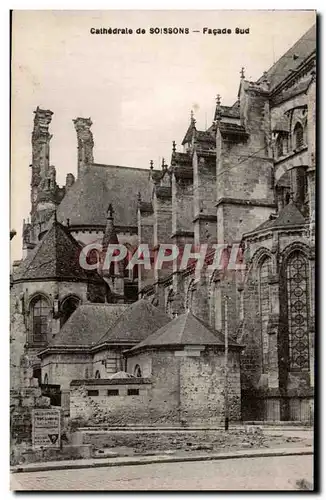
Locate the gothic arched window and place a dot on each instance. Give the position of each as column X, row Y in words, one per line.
column 40, row 319
column 46, row 379
column 298, row 136
column 264, row 302
column 69, row 305
column 97, row 374
column 298, row 310
column 279, row 146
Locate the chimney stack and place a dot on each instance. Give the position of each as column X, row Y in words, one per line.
column 85, row 144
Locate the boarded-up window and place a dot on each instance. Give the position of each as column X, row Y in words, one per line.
column 133, row 392
column 113, row 392
column 92, row 392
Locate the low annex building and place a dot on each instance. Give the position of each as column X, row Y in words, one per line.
column 179, row 378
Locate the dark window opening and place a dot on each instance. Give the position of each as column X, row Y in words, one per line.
column 113, row 392
column 46, row 379
column 97, row 374
column 69, row 305
column 131, row 292
column 279, row 147
column 298, row 136
column 133, row 392
column 92, row 392
column 37, row 374
column 40, row 317
column 137, row 371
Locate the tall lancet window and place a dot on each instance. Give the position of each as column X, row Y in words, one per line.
column 264, row 304
column 298, row 310
column 298, row 136
column 40, row 318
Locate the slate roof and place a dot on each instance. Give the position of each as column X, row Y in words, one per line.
column 296, row 89
column 188, row 137
column 229, row 111
column 233, row 129
column 55, row 256
column 292, row 59
column 136, row 323
column 205, row 139
column 88, row 324
column 87, row 201
column 290, row 215
column 185, row 329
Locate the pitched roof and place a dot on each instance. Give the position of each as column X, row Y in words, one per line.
column 228, row 111
column 87, row 200
column 185, row 329
column 292, row 59
column 290, row 215
column 87, row 324
column 136, row 323
column 189, row 134
column 56, row 256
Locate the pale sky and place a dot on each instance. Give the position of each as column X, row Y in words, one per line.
column 137, row 89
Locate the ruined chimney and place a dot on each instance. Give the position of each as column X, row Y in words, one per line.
column 85, row 144
column 70, row 181
column 40, row 150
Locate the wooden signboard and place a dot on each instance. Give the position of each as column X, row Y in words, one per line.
column 46, row 428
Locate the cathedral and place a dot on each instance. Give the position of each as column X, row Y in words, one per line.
column 245, row 183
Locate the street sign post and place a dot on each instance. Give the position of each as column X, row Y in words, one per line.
column 46, row 428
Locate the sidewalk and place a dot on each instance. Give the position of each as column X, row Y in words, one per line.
column 161, row 458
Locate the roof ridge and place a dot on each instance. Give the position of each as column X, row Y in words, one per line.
column 285, row 54
column 37, row 249
column 118, row 318
column 185, row 319
column 117, row 166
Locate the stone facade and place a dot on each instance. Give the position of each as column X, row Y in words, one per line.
column 246, row 183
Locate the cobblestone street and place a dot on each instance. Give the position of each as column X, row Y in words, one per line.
column 269, row 473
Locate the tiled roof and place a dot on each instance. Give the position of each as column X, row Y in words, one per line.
column 296, row 89
column 290, row 215
column 229, row 111
column 87, row 200
column 88, row 324
column 188, row 137
column 136, row 323
column 186, row 329
column 206, row 140
column 292, row 59
column 56, row 256
column 233, row 129
column 182, row 159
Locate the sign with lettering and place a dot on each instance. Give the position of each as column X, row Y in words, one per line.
column 46, row 428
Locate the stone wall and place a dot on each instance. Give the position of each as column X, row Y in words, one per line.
column 62, row 368
column 144, row 361
column 202, row 387
column 111, row 403
column 186, row 388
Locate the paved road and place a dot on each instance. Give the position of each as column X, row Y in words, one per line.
column 269, row 473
